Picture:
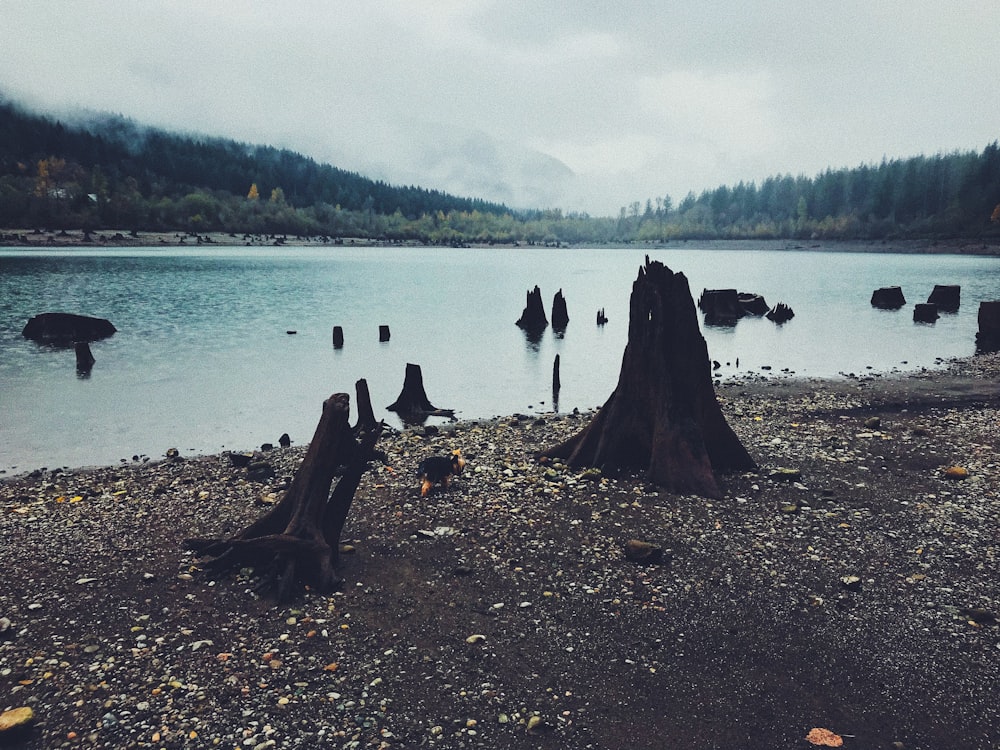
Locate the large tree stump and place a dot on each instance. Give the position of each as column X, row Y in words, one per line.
column 663, row 417
column 299, row 538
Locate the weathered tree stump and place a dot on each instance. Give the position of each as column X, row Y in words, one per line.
column 888, row 298
column 925, row 312
column 560, row 315
column 947, row 297
column 533, row 316
column 988, row 337
column 663, row 417
column 412, row 403
column 721, row 306
column 602, row 319
column 298, row 539
column 753, row 304
column 780, row 313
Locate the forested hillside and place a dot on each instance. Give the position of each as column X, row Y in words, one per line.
column 106, row 172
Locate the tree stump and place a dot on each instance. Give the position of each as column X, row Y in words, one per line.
column 560, row 314
column 947, row 297
column 412, row 403
column 888, row 298
column 663, row 417
column 298, row 539
column 988, row 337
column 533, row 316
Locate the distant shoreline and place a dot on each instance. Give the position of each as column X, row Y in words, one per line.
column 111, row 238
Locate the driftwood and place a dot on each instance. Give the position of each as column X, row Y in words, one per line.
column 297, row 541
column 663, row 417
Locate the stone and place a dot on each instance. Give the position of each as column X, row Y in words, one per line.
column 956, row 473
column 785, row 475
column 639, row 551
column 15, row 721
column 851, row 583
column 260, row 471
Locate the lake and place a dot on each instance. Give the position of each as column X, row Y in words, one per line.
column 203, row 359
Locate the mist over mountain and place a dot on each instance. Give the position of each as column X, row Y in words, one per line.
column 89, row 170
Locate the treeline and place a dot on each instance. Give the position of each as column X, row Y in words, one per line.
column 106, row 172
column 952, row 195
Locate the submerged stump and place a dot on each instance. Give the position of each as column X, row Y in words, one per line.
column 412, row 403
column 533, row 316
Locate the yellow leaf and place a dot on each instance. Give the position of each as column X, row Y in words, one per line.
column 820, row 736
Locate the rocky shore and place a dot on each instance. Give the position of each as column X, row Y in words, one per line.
column 849, row 585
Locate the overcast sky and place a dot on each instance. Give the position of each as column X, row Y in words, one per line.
column 584, row 105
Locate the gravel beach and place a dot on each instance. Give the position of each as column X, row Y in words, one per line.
column 850, row 584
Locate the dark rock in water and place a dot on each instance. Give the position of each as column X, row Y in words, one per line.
column 925, row 312
column 66, row 328
column 601, row 317
column 533, row 316
column 988, row 338
column 947, row 297
column 888, row 298
column 284, row 441
column 780, row 313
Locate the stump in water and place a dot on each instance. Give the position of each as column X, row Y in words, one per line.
column 412, row 404
column 560, row 315
column 84, row 358
column 533, row 316
column 298, row 539
column 663, row 416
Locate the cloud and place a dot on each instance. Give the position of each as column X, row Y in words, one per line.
column 585, row 106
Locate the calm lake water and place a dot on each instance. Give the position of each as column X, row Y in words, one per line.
column 203, row 360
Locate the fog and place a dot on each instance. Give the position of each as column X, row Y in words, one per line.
column 582, row 106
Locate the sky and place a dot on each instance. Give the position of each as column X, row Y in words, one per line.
column 586, row 106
